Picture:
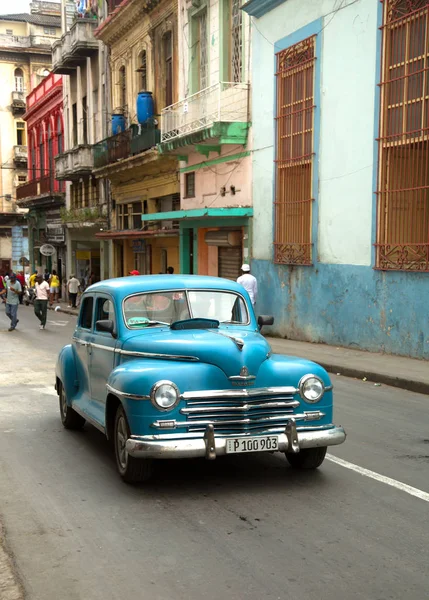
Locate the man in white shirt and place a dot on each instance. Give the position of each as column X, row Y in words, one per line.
column 73, row 286
column 41, row 301
column 249, row 283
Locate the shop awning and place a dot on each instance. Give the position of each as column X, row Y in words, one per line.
column 136, row 234
column 199, row 213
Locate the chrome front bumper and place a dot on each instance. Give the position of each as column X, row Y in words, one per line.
column 210, row 446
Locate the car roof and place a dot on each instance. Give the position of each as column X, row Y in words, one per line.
column 124, row 286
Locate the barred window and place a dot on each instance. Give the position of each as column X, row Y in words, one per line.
column 236, row 67
column 403, row 178
column 294, row 153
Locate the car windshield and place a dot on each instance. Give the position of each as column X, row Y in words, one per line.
column 163, row 308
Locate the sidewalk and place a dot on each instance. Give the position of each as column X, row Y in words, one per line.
column 405, row 373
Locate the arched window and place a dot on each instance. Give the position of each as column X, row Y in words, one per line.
column 122, row 87
column 41, row 153
column 142, row 70
column 19, row 80
column 60, row 141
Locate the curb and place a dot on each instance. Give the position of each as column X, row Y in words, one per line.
column 421, row 387
column 10, row 584
column 64, row 310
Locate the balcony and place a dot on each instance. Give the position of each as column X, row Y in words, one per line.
column 18, row 103
column 214, row 116
column 83, row 217
column 74, row 164
column 129, row 143
column 35, row 191
column 74, row 47
column 39, row 42
column 20, row 156
column 82, row 40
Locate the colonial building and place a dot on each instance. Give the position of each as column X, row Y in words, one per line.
column 43, row 195
column 25, row 59
column 82, row 60
column 207, row 131
column 340, row 123
column 142, row 36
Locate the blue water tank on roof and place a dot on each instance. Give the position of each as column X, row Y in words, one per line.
column 145, row 107
column 118, row 124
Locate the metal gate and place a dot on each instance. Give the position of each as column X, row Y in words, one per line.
column 229, row 261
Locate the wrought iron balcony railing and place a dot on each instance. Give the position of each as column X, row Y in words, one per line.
column 131, row 142
column 223, row 102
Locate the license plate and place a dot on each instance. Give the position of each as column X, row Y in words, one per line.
column 268, row 443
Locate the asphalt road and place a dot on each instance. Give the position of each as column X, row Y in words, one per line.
column 241, row 527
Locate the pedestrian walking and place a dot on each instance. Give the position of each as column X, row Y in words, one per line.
column 46, row 275
column 73, row 289
column 20, row 277
column 41, row 301
column 248, row 281
column 12, row 290
column 32, row 281
column 54, row 284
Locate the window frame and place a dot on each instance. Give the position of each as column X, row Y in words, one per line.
column 294, row 239
column 86, row 299
column 104, row 298
column 402, row 204
column 187, row 186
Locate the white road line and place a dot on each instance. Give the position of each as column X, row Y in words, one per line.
column 59, row 323
column 408, row 489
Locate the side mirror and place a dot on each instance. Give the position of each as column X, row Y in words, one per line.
column 106, row 325
column 265, row 320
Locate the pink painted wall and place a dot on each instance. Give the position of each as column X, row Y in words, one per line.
column 209, row 179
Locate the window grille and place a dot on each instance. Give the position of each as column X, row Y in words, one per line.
column 294, row 153
column 403, row 177
column 236, row 41
column 203, row 58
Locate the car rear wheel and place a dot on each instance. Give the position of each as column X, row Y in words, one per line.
column 69, row 417
column 308, row 458
column 132, row 470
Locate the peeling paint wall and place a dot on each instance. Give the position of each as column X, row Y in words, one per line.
column 346, row 305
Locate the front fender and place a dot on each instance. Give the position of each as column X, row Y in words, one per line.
column 132, row 382
column 65, row 371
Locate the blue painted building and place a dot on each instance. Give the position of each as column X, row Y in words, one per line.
column 340, row 245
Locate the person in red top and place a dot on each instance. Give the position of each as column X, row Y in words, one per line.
column 20, row 277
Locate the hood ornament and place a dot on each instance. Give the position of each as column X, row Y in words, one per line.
column 243, row 379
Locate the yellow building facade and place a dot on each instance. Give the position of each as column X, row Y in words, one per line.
column 142, row 38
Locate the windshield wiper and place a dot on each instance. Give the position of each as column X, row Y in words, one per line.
column 147, row 323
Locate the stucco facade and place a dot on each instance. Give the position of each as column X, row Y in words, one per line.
column 207, row 130
column 341, row 298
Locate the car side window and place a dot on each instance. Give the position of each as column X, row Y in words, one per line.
column 104, row 310
column 85, row 319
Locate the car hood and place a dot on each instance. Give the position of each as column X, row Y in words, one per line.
column 230, row 350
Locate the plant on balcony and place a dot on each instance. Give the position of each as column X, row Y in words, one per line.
column 81, row 215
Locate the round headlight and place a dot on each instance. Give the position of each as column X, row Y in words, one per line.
column 311, row 388
column 164, row 395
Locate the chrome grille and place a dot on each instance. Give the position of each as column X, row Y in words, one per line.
column 247, row 411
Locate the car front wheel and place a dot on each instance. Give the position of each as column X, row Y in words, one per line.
column 132, row 470
column 308, row 458
column 69, row 417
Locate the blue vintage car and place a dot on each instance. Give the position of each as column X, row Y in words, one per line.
column 172, row 366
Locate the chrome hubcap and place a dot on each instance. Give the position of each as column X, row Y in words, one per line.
column 121, row 443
